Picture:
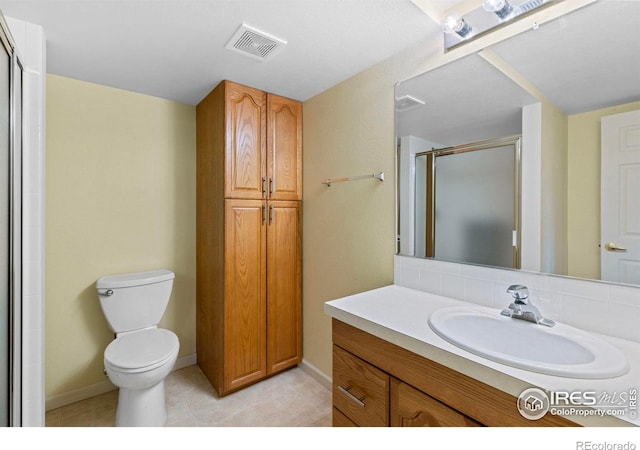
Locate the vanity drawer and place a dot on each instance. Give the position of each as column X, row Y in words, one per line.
column 360, row 390
column 340, row 420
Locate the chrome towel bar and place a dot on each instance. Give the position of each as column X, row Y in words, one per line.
column 377, row 176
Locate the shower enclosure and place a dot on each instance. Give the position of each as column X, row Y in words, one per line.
column 467, row 203
column 10, row 230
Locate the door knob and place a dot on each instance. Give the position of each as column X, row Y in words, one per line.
column 613, row 247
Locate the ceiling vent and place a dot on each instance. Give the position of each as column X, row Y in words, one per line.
column 254, row 43
column 407, row 102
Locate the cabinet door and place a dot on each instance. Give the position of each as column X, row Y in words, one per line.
column 284, row 285
column 413, row 408
column 245, row 134
column 245, row 292
column 284, row 148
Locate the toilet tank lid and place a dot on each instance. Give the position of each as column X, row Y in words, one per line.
column 134, row 279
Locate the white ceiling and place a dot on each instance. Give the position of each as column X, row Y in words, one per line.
column 465, row 101
column 585, row 60
column 175, row 49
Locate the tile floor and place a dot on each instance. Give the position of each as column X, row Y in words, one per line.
column 290, row 399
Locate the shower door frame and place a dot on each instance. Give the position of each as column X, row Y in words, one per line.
column 15, row 233
column 16, row 140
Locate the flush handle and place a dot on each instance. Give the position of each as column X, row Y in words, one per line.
column 107, row 293
column 613, row 247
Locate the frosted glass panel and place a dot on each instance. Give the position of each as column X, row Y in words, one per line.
column 475, row 206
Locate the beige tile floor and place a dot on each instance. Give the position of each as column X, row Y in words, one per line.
column 290, row 399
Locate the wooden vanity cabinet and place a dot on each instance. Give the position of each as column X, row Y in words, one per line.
column 249, row 235
column 420, row 392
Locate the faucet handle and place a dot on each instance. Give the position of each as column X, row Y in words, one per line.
column 519, row 292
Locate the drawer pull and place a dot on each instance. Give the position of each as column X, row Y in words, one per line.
column 346, row 392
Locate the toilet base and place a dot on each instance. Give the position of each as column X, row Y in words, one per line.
column 142, row 407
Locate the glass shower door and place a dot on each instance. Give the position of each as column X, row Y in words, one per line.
column 475, row 201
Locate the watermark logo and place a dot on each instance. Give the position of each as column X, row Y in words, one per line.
column 534, row 403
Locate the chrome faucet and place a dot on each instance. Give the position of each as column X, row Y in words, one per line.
column 522, row 308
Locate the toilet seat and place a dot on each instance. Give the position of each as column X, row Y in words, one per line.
column 141, row 351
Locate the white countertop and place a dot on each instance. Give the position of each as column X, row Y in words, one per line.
column 399, row 315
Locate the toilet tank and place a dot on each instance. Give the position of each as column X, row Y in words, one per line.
column 132, row 301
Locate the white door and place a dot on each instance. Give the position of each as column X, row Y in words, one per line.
column 620, row 198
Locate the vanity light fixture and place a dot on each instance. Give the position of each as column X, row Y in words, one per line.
column 501, row 8
column 454, row 23
column 493, row 14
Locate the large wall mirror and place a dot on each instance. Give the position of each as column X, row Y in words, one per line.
column 569, row 92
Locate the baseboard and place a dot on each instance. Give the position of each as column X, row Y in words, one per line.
column 66, row 398
column 316, row 374
column 186, row 361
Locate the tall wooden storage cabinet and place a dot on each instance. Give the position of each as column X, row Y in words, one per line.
column 249, row 235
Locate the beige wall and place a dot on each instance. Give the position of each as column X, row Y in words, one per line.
column 584, row 190
column 120, row 197
column 348, row 228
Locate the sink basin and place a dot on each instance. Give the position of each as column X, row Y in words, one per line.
column 562, row 350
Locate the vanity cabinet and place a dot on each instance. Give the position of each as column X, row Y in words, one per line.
column 364, row 395
column 249, row 235
column 419, row 392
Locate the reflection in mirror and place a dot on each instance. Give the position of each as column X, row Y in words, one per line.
column 467, row 203
column 566, row 88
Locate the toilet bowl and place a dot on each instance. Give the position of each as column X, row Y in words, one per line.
column 142, row 355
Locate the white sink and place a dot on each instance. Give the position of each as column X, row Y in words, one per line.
column 562, row 350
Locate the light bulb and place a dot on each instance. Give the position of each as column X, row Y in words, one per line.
column 501, row 8
column 454, row 23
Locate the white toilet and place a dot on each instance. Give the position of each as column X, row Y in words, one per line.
column 142, row 355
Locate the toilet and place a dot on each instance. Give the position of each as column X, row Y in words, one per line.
column 142, row 355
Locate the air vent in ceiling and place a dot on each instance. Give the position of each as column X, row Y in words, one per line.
column 254, row 43
column 530, row 5
column 407, row 102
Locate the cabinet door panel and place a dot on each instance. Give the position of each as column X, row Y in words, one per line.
column 284, row 148
column 284, row 285
column 245, row 142
column 245, row 293
column 412, row 408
